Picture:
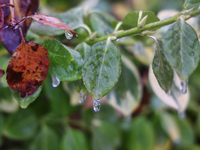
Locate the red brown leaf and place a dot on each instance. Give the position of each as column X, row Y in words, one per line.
column 1, row 18
column 12, row 39
column 52, row 21
column 28, row 68
column 1, row 72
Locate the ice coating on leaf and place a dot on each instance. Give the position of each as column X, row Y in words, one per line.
column 82, row 98
column 96, row 105
column 55, row 81
column 1, row 72
column 52, row 21
column 28, row 68
column 183, row 87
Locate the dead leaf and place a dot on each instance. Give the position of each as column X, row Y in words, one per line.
column 51, row 21
column 1, row 72
column 12, row 39
column 28, row 68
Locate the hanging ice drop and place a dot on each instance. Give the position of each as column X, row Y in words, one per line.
column 68, row 35
column 183, row 87
column 82, row 98
column 55, row 81
column 96, row 105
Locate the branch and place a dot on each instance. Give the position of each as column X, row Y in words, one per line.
column 12, row 12
column 151, row 26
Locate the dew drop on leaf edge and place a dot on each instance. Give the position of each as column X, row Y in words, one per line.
column 96, row 105
column 55, row 81
column 82, row 98
column 68, row 35
column 183, row 87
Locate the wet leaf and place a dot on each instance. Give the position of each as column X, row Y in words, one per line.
column 72, row 72
column 127, row 93
column 182, row 99
column 131, row 19
column 28, row 68
column 84, row 49
column 58, row 53
column 72, row 18
column 102, row 69
column 1, row 72
column 47, row 139
column 12, row 39
column 74, row 139
column 161, row 68
column 51, row 21
column 21, row 125
column 24, row 102
column 181, row 46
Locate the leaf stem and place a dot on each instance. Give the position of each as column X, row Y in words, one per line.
column 12, row 12
column 150, row 26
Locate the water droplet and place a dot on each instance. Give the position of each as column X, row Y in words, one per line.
column 96, row 105
column 55, row 81
column 82, row 98
column 117, row 39
column 183, row 87
column 181, row 114
column 68, row 35
column 169, row 92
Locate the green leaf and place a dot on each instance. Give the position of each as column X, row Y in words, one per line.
column 58, row 53
column 105, row 136
column 102, row 69
column 72, row 18
column 72, row 72
column 84, row 50
column 181, row 46
column 80, row 87
column 24, row 102
column 141, row 135
column 131, row 19
column 127, row 93
column 161, row 68
column 97, row 24
column 47, row 139
column 2, row 120
column 190, row 2
column 59, row 99
column 74, row 140
column 21, row 125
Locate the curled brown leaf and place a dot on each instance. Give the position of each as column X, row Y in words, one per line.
column 1, row 72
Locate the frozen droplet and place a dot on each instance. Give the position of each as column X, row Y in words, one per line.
column 55, row 81
column 181, row 114
column 82, row 98
column 169, row 92
column 117, row 39
column 96, row 105
column 68, row 35
column 183, row 87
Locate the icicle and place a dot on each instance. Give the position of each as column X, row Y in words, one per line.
column 117, row 39
column 181, row 114
column 55, row 81
column 68, row 35
column 82, row 98
column 169, row 92
column 183, row 87
column 96, row 105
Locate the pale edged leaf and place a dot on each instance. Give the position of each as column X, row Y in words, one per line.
column 161, row 68
column 25, row 102
column 74, row 139
column 47, row 139
column 99, row 25
column 182, row 99
column 127, row 93
column 140, row 136
column 72, row 18
column 190, row 2
column 131, row 19
column 21, row 125
column 58, row 53
column 72, row 72
column 102, row 69
column 84, row 50
column 181, row 46
column 105, row 136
